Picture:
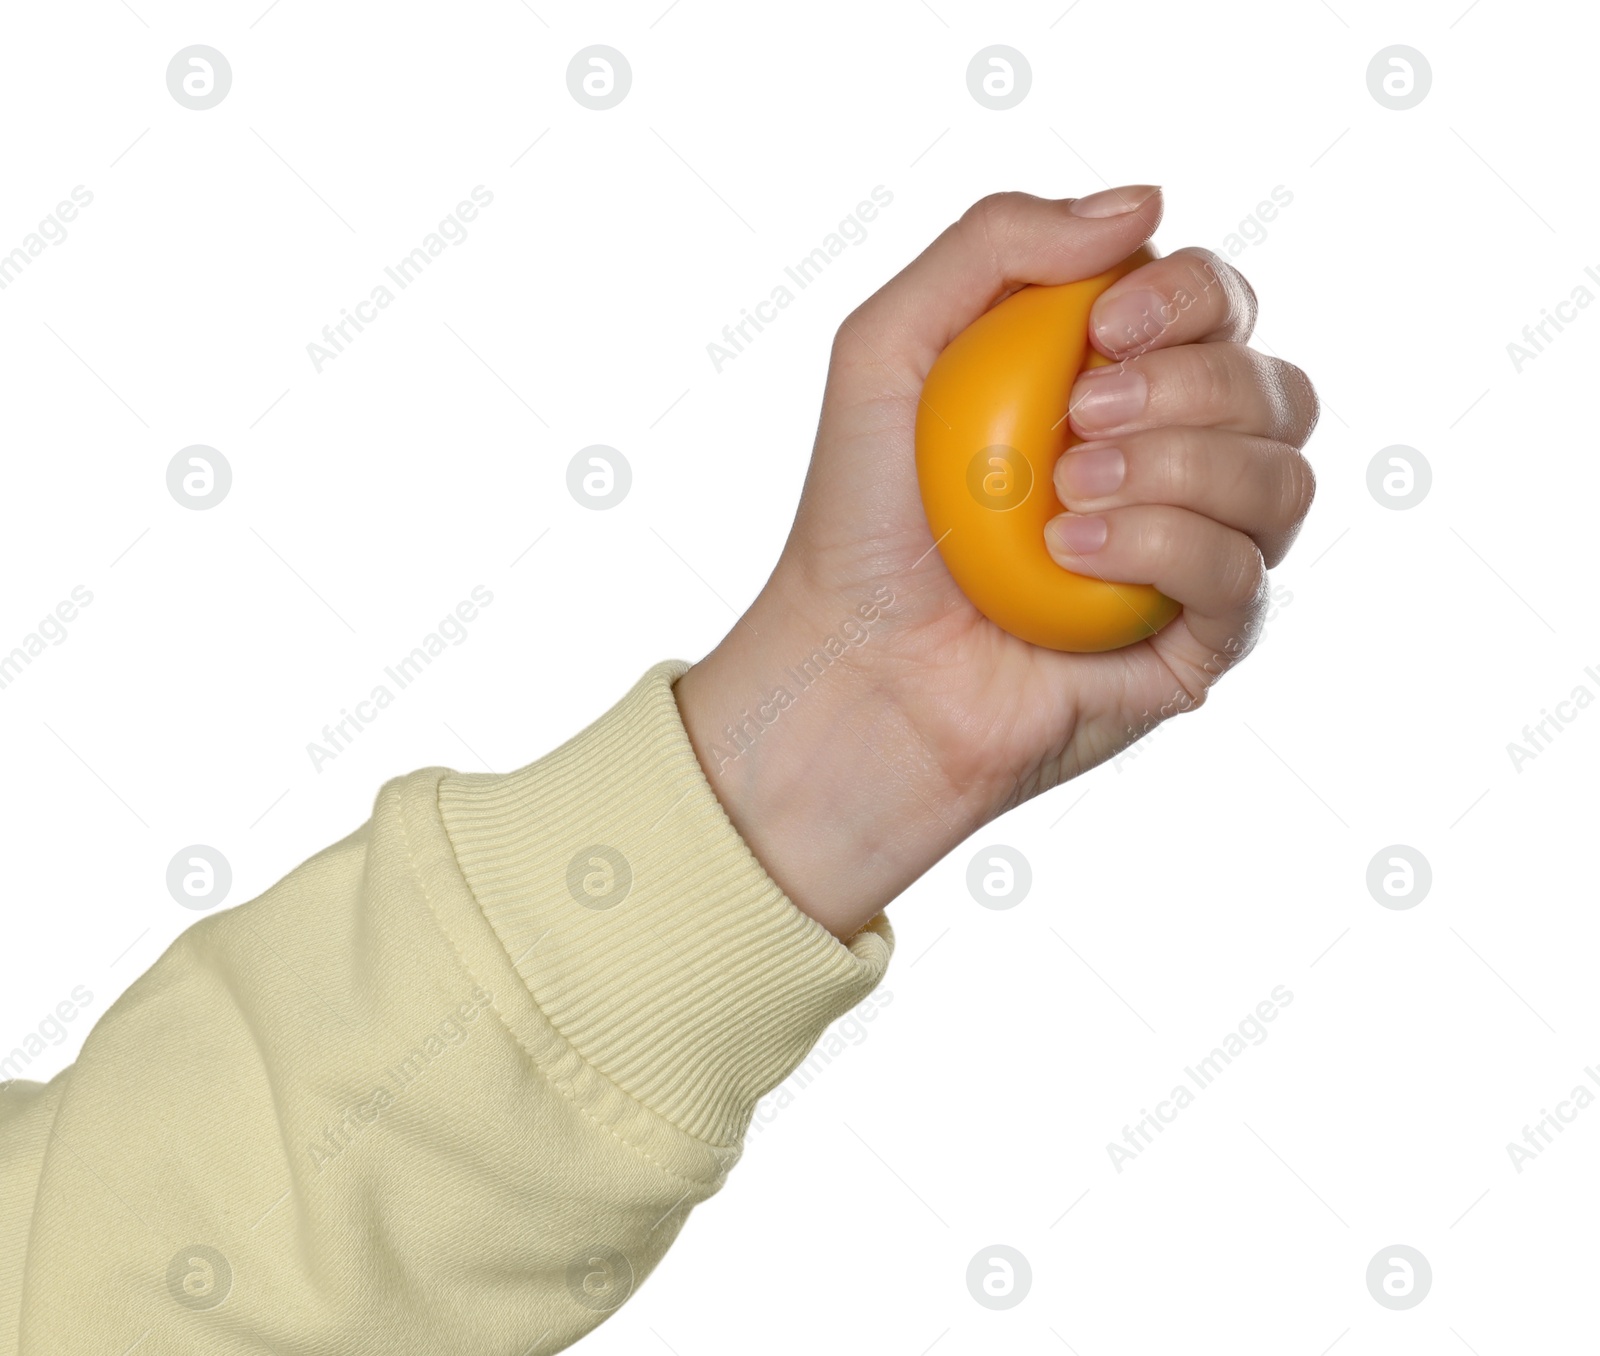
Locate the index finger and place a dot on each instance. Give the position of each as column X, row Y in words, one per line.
column 1002, row 242
column 1190, row 296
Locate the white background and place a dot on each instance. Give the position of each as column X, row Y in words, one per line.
column 1171, row 892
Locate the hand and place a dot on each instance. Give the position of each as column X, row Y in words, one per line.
column 851, row 774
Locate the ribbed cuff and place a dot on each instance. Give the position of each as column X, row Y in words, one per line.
column 645, row 929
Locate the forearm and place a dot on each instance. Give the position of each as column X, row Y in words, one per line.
column 823, row 775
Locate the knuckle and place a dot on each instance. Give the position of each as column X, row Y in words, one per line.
column 1300, row 485
column 1155, row 538
column 1197, row 678
column 1226, row 289
column 1207, row 271
column 846, row 337
column 1195, row 683
column 1180, row 456
column 1249, row 307
column 863, row 340
column 992, row 216
column 1236, row 573
column 1213, row 379
column 992, row 203
column 1248, row 578
column 984, row 223
column 1301, row 396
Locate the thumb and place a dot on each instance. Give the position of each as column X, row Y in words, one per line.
column 1002, row 242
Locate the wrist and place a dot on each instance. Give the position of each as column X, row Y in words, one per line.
column 817, row 767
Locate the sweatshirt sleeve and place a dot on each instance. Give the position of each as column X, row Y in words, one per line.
column 453, row 1084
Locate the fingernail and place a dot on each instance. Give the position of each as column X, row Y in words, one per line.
column 1112, row 202
column 1132, row 320
column 1093, row 474
column 1106, row 397
column 1077, row 535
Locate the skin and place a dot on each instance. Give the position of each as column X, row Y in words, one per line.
column 940, row 722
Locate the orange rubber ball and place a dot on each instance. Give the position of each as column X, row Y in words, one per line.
column 990, row 427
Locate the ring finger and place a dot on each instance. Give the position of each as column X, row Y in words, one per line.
column 1254, row 485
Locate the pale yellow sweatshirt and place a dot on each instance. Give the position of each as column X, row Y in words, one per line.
column 452, row 1085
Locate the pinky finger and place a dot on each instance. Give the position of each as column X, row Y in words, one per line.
column 1215, row 572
